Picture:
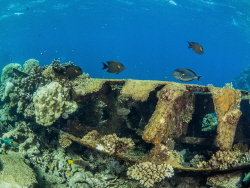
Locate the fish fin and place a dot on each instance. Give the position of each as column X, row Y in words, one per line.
column 105, row 66
column 117, row 73
column 198, row 78
column 70, row 161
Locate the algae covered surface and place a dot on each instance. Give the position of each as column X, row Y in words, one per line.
column 125, row 133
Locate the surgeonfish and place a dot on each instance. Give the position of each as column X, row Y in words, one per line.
column 113, row 67
column 185, row 75
column 197, row 48
column 72, row 71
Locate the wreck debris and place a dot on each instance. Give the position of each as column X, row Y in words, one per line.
column 118, row 148
column 226, row 102
column 138, row 89
column 172, row 114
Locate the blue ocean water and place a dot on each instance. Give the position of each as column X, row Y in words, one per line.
column 147, row 36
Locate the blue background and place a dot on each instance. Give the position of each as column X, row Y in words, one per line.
column 148, row 37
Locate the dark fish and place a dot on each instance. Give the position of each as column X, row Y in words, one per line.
column 20, row 73
column 79, row 162
column 72, row 71
column 197, row 48
column 185, row 75
column 113, row 67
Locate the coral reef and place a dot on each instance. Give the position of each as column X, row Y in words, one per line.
column 184, row 182
column 115, row 144
column 50, row 104
column 29, row 65
column 14, row 172
column 109, row 143
column 148, row 173
column 34, row 80
column 226, row 180
column 242, row 81
column 9, row 87
column 151, row 125
column 223, row 160
column 64, row 141
column 209, row 122
column 229, row 86
column 27, row 139
column 197, row 159
column 8, row 69
column 240, row 147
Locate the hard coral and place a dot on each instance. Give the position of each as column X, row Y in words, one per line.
column 223, row 160
column 29, row 65
column 227, row 180
column 116, row 144
column 148, row 173
column 50, row 104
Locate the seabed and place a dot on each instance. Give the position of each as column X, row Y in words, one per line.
column 130, row 133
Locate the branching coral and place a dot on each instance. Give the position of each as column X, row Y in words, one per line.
column 196, row 160
column 148, row 173
column 116, row 144
column 223, row 160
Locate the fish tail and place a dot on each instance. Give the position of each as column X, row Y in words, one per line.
column 70, row 161
column 190, row 45
column 105, row 66
column 198, row 78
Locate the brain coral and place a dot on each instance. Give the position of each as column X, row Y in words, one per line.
column 50, row 103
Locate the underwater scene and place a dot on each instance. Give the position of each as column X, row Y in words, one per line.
column 125, row 94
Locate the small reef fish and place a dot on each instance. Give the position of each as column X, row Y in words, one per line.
column 20, row 73
column 246, row 178
column 8, row 142
column 197, row 48
column 113, row 67
column 79, row 162
column 185, row 75
column 72, row 71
